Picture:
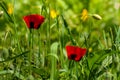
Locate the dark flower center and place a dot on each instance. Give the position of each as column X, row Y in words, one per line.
column 31, row 24
column 73, row 56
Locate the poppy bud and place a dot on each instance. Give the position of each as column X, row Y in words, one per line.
column 96, row 16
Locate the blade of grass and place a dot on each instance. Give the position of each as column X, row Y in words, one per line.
column 2, row 4
column 23, row 53
column 54, row 50
column 69, row 32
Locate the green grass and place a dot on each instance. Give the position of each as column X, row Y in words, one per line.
column 40, row 54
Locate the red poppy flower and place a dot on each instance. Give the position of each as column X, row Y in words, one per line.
column 33, row 21
column 75, row 52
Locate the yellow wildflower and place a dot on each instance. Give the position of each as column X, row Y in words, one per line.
column 84, row 15
column 10, row 8
column 53, row 14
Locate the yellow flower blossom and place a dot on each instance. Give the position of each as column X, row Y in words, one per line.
column 84, row 15
column 53, row 14
column 10, row 8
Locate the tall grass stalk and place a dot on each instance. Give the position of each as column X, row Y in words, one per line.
column 15, row 27
column 105, row 40
column 60, row 39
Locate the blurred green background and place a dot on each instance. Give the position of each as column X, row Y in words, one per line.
column 98, row 36
column 109, row 10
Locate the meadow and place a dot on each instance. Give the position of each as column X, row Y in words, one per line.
column 59, row 39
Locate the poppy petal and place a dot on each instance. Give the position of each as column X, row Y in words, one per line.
column 33, row 20
column 75, row 52
column 80, row 53
column 70, row 51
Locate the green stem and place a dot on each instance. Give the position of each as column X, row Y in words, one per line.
column 30, row 54
column 48, row 30
column 76, row 69
column 53, row 69
column 39, row 44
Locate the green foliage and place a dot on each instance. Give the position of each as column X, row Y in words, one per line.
column 40, row 54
